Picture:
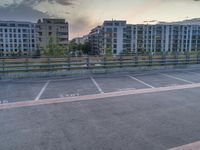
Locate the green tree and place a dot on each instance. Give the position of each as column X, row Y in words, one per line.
column 108, row 51
column 54, row 49
column 79, row 48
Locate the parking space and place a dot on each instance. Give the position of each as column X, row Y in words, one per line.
column 186, row 76
column 197, row 71
column 159, row 80
column 19, row 91
column 60, row 87
column 120, row 83
column 69, row 88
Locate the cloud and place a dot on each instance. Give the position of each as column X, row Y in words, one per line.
column 21, row 12
column 31, row 10
column 81, row 25
column 37, row 2
column 181, row 1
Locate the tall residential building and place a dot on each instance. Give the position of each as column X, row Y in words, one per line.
column 113, row 35
column 110, row 37
column 17, row 38
column 162, row 37
column 95, row 40
column 57, row 29
column 166, row 37
column 81, row 40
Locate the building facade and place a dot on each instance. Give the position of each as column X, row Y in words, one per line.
column 95, row 40
column 166, row 38
column 57, row 29
column 81, row 40
column 163, row 37
column 114, row 36
column 17, row 38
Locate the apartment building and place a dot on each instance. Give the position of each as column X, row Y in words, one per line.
column 17, row 38
column 57, row 29
column 113, row 35
column 95, row 40
column 81, row 40
column 162, row 37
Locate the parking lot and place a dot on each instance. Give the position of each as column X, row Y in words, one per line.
column 36, row 89
column 152, row 110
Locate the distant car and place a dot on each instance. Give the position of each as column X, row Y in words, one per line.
column 75, row 53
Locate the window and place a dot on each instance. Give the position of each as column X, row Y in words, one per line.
column 40, row 33
column 108, row 29
column 50, row 27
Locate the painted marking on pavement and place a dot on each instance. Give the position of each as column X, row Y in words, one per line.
column 195, row 73
column 42, row 90
column 97, row 85
column 134, row 78
column 96, row 96
column 180, row 79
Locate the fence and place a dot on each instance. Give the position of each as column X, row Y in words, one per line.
column 11, row 65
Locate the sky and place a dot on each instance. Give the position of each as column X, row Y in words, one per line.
column 83, row 15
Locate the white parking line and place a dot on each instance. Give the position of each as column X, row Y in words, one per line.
column 42, row 90
column 195, row 73
column 97, row 85
column 180, row 79
column 141, row 81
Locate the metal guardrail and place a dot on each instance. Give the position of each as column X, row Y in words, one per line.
column 10, row 65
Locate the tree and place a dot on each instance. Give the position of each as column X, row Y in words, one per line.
column 54, row 49
column 108, row 51
column 86, row 48
column 79, row 48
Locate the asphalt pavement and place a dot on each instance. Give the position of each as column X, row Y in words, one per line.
column 152, row 115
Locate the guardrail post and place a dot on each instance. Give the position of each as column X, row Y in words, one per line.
column 176, row 59
column 198, row 58
column 187, row 59
column 49, row 66
column 136, row 60
column 163, row 59
column 121, row 61
column 104, row 62
column 150, row 60
column 3, row 64
column 69, row 62
column 88, row 62
column 27, row 67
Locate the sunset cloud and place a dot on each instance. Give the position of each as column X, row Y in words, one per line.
column 83, row 15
